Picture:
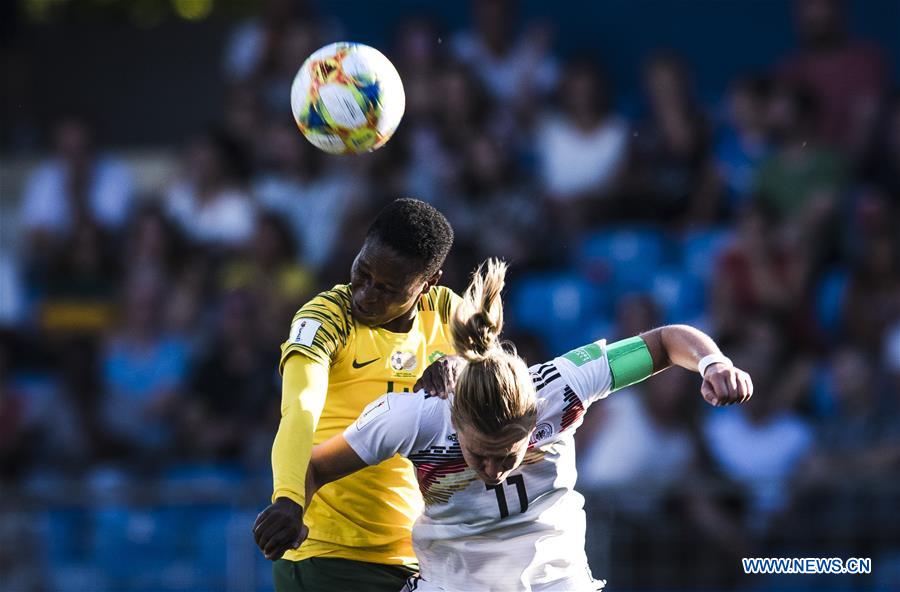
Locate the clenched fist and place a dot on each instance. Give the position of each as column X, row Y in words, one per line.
column 279, row 528
column 724, row 384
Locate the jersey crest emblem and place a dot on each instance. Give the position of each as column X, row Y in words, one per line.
column 403, row 362
column 542, row 431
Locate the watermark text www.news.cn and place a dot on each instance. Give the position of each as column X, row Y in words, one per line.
column 807, row 565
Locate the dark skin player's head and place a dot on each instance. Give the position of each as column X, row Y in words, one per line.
column 399, row 261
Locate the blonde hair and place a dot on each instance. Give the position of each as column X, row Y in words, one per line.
column 494, row 391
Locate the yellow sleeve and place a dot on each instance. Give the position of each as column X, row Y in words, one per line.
column 303, row 394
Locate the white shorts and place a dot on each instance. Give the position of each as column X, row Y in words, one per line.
column 587, row 584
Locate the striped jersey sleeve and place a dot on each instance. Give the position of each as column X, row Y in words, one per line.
column 321, row 328
column 566, row 386
column 569, row 384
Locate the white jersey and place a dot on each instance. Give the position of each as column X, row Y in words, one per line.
column 526, row 533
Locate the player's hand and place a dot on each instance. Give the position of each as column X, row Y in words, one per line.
column 440, row 377
column 279, row 528
column 726, row 385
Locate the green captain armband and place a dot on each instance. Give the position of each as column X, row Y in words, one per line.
column 629, row 362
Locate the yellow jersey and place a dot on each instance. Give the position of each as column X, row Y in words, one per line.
column 367, row 516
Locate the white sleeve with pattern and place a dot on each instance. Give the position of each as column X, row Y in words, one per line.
column 388, row 425
column 586, row 371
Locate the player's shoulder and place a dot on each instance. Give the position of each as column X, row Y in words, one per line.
column 322, row 327
column 416, row 412
column 439, row 299
column 331, row 306
column 545, row 375
column 427, row 406
column 584, row 369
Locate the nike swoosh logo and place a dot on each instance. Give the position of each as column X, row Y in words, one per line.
column 357, row 365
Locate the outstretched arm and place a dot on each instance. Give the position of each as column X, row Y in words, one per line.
column 685, row 346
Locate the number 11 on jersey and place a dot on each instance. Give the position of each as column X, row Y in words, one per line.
column 519, row 482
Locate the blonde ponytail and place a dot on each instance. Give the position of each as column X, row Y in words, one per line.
column 494, row 391
column 478, row 321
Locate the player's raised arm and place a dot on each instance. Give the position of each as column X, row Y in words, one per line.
column 278, row 527
column 690, row 348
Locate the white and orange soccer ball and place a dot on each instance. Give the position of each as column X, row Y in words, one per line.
column 347, row 98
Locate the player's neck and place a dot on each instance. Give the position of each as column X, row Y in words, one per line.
column 403, row 323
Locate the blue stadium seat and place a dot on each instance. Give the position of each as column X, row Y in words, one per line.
column 560, row 308
column 700, row 251
column 137, row 548
column 625, row 257
column 64, row 534
column 679, row 294
column 830, row 295
column 213, row 535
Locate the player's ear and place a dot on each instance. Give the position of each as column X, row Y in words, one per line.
column 432, row 281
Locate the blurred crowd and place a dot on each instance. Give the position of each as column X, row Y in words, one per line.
column 141, row 331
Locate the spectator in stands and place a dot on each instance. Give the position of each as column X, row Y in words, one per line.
column 144, row 370
column 743, row 140
column 75, row 289
column 641, row 445
column 492, row 213
column 230, row 391
column 672, row 177
column 760, row 272
column 312, row 199
column 298, row 42
column 437, row 148
column 873, row 294
column 255, row 43
column 848, row 79
column 79, row 184
column 639, row 441
column 581, row 149
column 152, row 243
column 243, row 117
column 210, row 201
column 268, row 272
column 418, row 56
column 187, row 311
column 517, row 72
column 861, row 437
column 802, row 178
column 779, row 438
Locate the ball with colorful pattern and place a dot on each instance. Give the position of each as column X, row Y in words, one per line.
column 347, row 98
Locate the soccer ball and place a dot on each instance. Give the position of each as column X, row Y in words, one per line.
column 347, row 98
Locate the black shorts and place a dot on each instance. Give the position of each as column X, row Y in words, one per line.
column 323, row 574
